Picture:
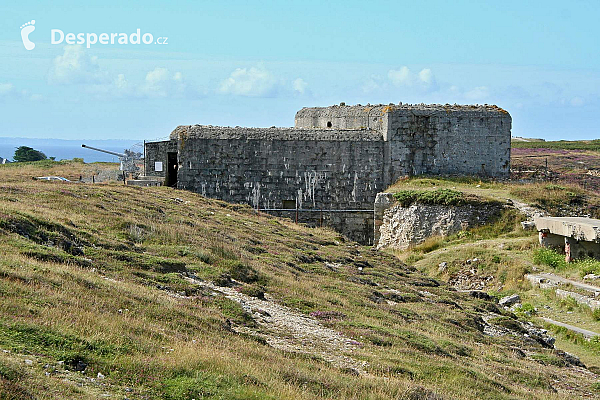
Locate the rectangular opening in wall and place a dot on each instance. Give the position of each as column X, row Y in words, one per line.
column 172, row 166
column 289, row 204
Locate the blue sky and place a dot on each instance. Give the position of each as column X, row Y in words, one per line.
column 255, row 63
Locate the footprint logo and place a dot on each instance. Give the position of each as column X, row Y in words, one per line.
column 26, row 29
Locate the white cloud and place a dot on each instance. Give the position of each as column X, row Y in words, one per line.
column 253, row 82
column 577, row 101
column 426, row 76
column 373, row 84
column 75, row 66
column 299, row 85
column 478, row 93
column 400, row 77
column 160, row 83
column 6, row 89
column 422, row 81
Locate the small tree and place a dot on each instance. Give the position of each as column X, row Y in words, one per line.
column 24, row 153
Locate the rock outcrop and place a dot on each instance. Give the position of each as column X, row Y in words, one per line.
column 401, row 227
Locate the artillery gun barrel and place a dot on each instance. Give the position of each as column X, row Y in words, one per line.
column 104, row 151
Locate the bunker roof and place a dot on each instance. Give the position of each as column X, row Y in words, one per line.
column 578, row 228
column 185, row 132
column 343, row 110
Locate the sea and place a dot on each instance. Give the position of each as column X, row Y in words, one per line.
column 63, row 149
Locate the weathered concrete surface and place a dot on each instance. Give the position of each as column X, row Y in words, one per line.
column 587, row 334
column 401, row 227
column 146, row 181
column 578, row 228
column 577, row 237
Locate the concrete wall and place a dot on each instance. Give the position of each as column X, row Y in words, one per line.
column 157, row 151
column 427, row 139
column 457, row 141
column 342, row 117
column 315, row 170
column 263, row 173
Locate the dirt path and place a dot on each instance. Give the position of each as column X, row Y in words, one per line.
column 528, row 210
column 289, row 330
column 587, row 334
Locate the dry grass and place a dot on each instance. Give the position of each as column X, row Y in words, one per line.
column 88, row 273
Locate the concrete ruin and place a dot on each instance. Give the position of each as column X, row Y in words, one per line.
column 328, row 169
column 576, row 237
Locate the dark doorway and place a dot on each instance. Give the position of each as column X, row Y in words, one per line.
column 171, row 179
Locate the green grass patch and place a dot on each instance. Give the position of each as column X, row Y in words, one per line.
column 444, row 197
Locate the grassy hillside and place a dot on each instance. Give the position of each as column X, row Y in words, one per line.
column 495, row 257
column 147, row 293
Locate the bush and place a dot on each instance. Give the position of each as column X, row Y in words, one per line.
column 544, row 256
column 589, row 266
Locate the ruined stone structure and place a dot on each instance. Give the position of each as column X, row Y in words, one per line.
column 335, row 160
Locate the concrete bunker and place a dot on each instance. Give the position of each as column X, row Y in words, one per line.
column 576, row 237
column 329, row 167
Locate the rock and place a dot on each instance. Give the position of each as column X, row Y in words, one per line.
column 29, row 362
column 478, row 294
column 528, row 225
column 569, row 358
column 442, row 266
column 80, row 366
column 510, row 300
column 591, row 277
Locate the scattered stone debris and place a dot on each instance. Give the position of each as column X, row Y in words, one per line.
column 499, row 325
column 469, row 279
